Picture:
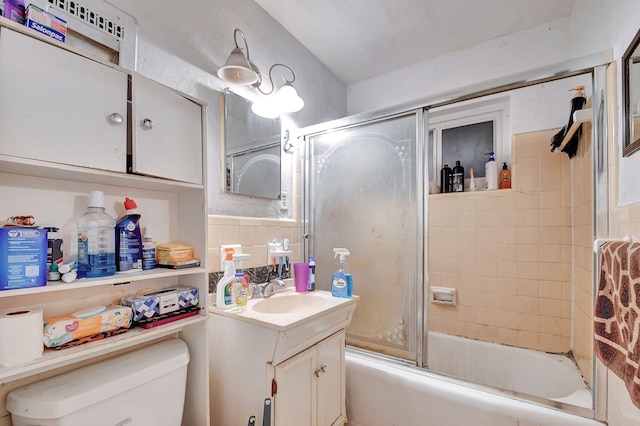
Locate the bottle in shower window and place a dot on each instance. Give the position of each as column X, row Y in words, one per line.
column 96, row 240
column 457, row 178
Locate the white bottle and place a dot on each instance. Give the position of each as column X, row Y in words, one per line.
column 491, row 173
column 148, row 250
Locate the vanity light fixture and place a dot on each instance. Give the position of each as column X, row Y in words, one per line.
column 238, row 69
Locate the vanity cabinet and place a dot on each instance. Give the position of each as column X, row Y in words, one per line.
column 59, row 106
column 310, row 386
column 66, row 153
column 293, row 361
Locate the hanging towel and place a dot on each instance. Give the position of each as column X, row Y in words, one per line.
column 617, row 313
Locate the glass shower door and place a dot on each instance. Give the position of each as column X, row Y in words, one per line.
column 363, row 193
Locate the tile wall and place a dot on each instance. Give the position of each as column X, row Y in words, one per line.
column 508, row 253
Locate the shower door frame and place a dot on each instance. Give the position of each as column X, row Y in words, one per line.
column 596, row 65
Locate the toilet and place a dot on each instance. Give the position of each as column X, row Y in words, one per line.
column 145, row 387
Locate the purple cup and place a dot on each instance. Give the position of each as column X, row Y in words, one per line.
column 301, row 276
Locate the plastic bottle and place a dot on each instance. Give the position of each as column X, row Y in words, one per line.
column 505, row 177
column 342, row 283
column 457, row 178
column 311, row 284
column 491, row 172
column 148, row 250
column 224, row 288
column 241, row 290
column 96, row 240
column 445, row 179
column 128, row 239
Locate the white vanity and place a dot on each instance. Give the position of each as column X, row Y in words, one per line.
column 285, row 352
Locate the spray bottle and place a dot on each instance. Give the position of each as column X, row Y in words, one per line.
column 225, row 297
column 342, row 283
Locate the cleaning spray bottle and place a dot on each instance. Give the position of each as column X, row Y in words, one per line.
column 342, row 282
column 225, row 292
column 491, row 172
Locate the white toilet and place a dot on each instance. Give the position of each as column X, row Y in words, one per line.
column 145, row 387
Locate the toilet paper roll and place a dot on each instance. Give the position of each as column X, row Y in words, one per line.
column 20, row 336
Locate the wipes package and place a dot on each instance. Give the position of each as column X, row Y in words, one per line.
column 46, row 23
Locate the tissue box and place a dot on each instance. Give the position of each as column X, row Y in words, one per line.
column 46, row 23
column 153, row 305
column 23, row 257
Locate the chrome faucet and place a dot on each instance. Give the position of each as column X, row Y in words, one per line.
column 261, row 291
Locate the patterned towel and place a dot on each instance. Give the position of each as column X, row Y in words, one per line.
column 617, row 313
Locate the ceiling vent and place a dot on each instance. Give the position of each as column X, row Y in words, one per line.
column 100, row 23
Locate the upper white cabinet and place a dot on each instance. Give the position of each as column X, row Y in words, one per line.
column 167, row 133
column 60, row 107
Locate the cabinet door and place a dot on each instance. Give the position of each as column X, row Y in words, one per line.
column 57, row 106
column 167, row 133
column 295, row 400
column 331, row 380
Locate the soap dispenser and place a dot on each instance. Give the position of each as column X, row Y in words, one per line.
column 342, row 282
column 505, row 177
column 491, row 172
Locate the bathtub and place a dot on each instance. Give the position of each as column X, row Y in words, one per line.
column 385, row 392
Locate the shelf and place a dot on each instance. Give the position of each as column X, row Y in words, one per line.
column 580, row 116
column 117, row 279
column 52, row 359
column 26, row 166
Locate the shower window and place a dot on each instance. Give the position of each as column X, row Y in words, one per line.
column 467, row 134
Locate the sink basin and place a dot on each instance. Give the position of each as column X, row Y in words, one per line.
column 290, row 304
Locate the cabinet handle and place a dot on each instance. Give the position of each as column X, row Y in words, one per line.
column 147, row 124
column 116, row 118
column 320, row 370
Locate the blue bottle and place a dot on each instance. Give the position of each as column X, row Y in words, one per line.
column 129, row 239
column 96, row 240
column 342, row 282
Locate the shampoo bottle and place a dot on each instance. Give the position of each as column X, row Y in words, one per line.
column 457, row 178
column 342, row 283
column 505, row 177
column 491, row 172
column 128, row 239
column 445, row 179
column 225, row 287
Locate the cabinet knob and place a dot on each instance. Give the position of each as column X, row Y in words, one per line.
column 116, row 118
column 320, row 370
column 147, row 124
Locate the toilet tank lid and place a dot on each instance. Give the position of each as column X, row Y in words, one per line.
column 62, row 395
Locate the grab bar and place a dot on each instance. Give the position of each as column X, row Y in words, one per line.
column 600, row 241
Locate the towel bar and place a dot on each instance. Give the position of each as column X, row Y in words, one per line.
column 600, row 241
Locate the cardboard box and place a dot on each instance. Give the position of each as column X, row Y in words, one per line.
column 46, row 23
column 154, row 304
column 23, row 257
column 14, row 10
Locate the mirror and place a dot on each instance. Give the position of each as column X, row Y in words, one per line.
column 631, row 93
column 251, row 150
